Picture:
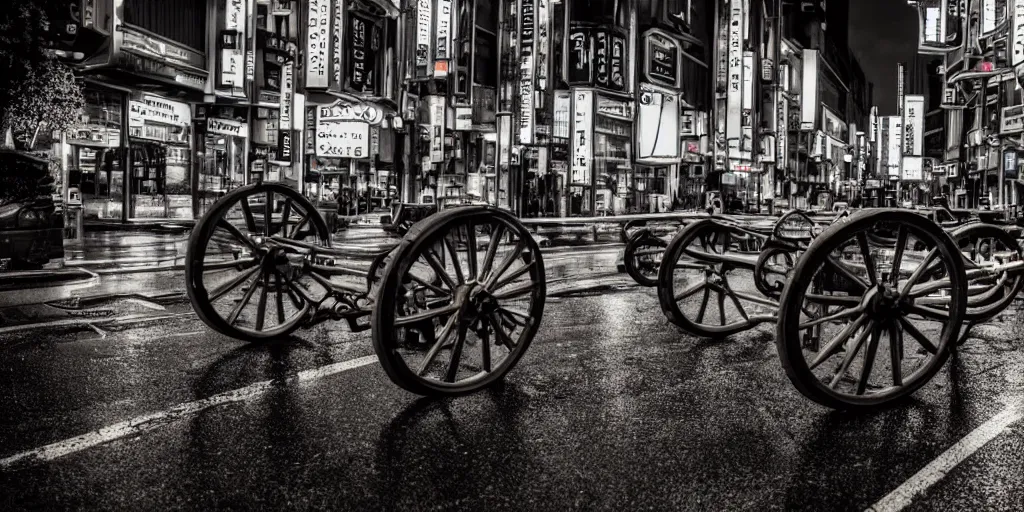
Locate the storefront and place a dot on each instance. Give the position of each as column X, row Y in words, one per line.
column 602, row 177
column 345, row 150
column 224, row 137
column 95, row 157
column 160, row 150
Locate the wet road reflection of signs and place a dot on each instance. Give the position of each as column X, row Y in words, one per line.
column 439, row 452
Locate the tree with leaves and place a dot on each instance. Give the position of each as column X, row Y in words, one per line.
column 37, row 91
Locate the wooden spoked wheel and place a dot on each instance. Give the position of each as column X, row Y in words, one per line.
column 862, row 324
column 461, row 300
column 982, row 246
column 642, row 257
column 705, row 283
column 243, row 278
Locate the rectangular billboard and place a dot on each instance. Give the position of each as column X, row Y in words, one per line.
column 582, row 135
column 809, row 91
column 913, row 114
column 657, row 127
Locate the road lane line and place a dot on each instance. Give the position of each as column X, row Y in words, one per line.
column 937, row 469
column 156, row 420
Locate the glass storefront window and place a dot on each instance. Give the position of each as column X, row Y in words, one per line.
column 95, row 163
column 222, row 170
column 161, row 185
column 613, row 147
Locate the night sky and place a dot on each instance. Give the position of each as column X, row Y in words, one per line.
column 883, row 33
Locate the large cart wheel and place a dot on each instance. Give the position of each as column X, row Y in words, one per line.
column 470, row 282
column 642, row 257
column 705, row 283
column 861, row 324
column 985, row 245
column 240, row 281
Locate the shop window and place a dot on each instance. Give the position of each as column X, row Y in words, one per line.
column 696, row 82
column 181, row 21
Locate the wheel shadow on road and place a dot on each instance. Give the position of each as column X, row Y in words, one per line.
column 856, row 458
column 455, row 450
column 254, row 362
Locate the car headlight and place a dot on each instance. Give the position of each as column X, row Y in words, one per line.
column 31, row 217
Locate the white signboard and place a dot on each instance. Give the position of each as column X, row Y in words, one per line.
column 227, row 127
column 443, row 26
column 932, row 24
column 436, row 106
column 342, row 111
column 657, row 129
column 463, row 118
column 582, row 135
column 734, row 93
column 232, row 61
column 527, row 30
column 318, row 43
column 563, row 107
column 542, row 43
column 782, row 130
column 342, row 139
column 912, row 168
column 1011, row 119
column 1017, row 34
column 424, row 25
column 287, row 90
column 337, row 41
column 809, row 93
column 988, row 16
column 894, row 144
column 914, row 126
column 154, row 109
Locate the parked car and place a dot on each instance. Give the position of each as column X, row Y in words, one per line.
column 31, row 227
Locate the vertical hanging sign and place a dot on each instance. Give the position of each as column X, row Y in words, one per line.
column 424, row 25
column 442, row 38
column 542, row 45
column 436, row 106
column 232, row 44
column 913, row 138
column 748, row 104
column 782, row 121
column 1017, row 34
column 734, row 93
column 318, row 42
column 337, row 42
column 527, row 25
column 582, row 135
column 287, row 92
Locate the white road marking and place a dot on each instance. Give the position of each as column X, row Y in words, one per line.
column 944, row 463
column 156, row 420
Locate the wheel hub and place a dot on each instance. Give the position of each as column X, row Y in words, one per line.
column 885, row 303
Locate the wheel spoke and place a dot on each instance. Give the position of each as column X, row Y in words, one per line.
column 852, row 354
column 280, row 299
column 505, row 264
column 869, row 360
column 424, row 316
column 869, row 262
column 832, row 347
column 250, row 221
column 240, row 264
column 519, row 272
column 456, row 359
column 267, row 213
column 696, row 287
column 897, row 259
column 441, row 340
column 438, row 267
column 846, row 273
column 721, row 307
column 485, row 344
column 516, row 292
column 918, row 272
column 224, row 288
column 896, row 357
column 919, row 336
column 286, row 212
column 492, row 250
column 298, row 227
column 430, row 286
column 703, row 305
column 474, row 273
column 230, row 228
column 503, row 336
column 456, row 264
column 735, row 301
column 514, row 316
column 261, row 306
column 233, row 317
column 830, row 318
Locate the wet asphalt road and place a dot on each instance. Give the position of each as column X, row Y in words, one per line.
column 611, row 409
